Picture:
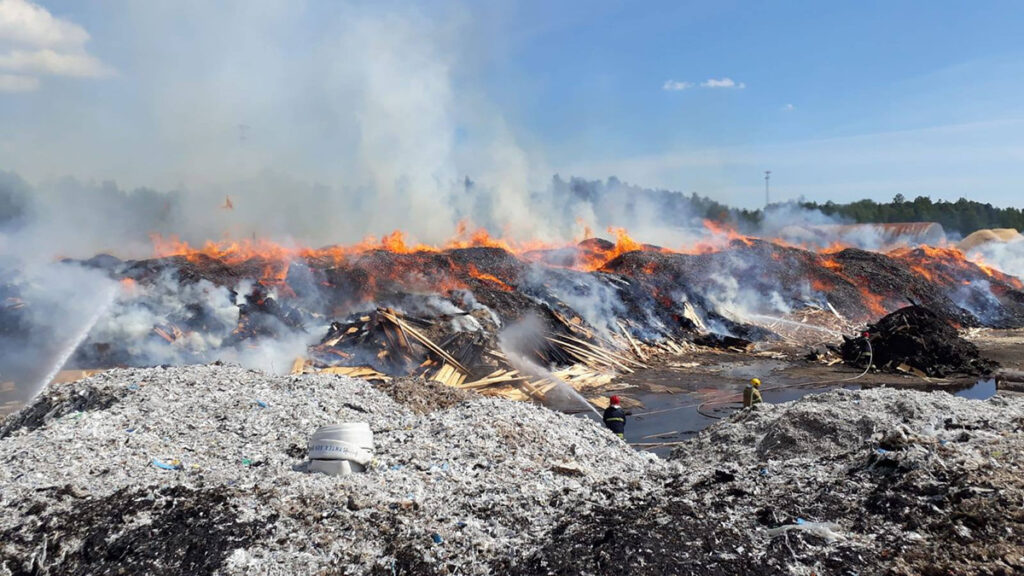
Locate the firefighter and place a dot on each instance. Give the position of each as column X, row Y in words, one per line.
column 752, row 393
column 615, row 418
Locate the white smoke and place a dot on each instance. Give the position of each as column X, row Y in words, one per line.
column 162, row 304
column 738, row 300
column 45, row 309
column 595, row 301
column 1007, row 257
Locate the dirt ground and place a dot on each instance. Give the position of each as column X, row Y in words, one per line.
column 1007, row 348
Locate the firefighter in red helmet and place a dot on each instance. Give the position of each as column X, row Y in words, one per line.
column 615, row 418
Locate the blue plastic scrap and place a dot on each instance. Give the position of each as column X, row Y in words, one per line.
column 166, row 466
column 436, row 538
column 261, row 404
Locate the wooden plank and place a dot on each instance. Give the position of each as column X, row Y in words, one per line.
column 588, row 356
column 599, row 350
column 504, row 377
column 531, row 390
column 364, row 372
column 636, row 347
column 422, row 339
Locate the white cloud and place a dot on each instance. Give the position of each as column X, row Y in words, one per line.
column 788, row 107
column 28, row 24
column 15, row 83
column 53, row 63
column 37, row 43
column 676, row 85
column 722, row 83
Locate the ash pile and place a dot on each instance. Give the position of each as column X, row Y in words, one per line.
column 915, row 340
column 199, row 470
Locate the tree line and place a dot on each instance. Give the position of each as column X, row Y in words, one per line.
column 963, row 216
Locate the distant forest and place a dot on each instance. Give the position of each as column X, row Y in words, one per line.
column 963, row 216
column 630, row 205
column 607, row 201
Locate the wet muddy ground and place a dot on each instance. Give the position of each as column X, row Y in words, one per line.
column 685, row 394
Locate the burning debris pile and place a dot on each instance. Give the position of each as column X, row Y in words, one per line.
column 387, row 309
column 915, row 340
column 199, row 470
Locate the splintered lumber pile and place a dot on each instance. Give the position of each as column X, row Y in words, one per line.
column 392, row 343
column 448, row 375
column 383, row 339
column 512, row 384
column 594, row 355
column 632, row 342
column 386, row 343
column 406, row 328
column 302, row 366
column 583, row 377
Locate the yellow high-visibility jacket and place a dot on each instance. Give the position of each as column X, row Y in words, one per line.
column 751, row 396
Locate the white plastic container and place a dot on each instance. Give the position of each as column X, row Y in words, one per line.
column 334, row 467
column 341, row 448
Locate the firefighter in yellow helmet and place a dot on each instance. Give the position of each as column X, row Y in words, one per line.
column 752, row 393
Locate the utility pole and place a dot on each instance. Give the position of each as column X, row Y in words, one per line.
column 767, row 196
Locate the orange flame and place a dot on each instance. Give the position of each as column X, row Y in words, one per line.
column 942, row 265
column 488, row 277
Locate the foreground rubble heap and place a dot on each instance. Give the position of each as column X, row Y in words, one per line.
column 199, row 470
column 915, row 340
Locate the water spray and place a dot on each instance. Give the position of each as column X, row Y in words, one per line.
column 107, row 297
column 510, row 341
column 793, row 323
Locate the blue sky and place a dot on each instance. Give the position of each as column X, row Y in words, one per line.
column 839, row 100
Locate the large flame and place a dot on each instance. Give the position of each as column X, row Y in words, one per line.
column 942, row 265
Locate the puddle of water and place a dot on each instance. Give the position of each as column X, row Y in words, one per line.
column 983, row 390
column 671, row 426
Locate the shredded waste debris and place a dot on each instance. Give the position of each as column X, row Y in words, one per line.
column 869, row 482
